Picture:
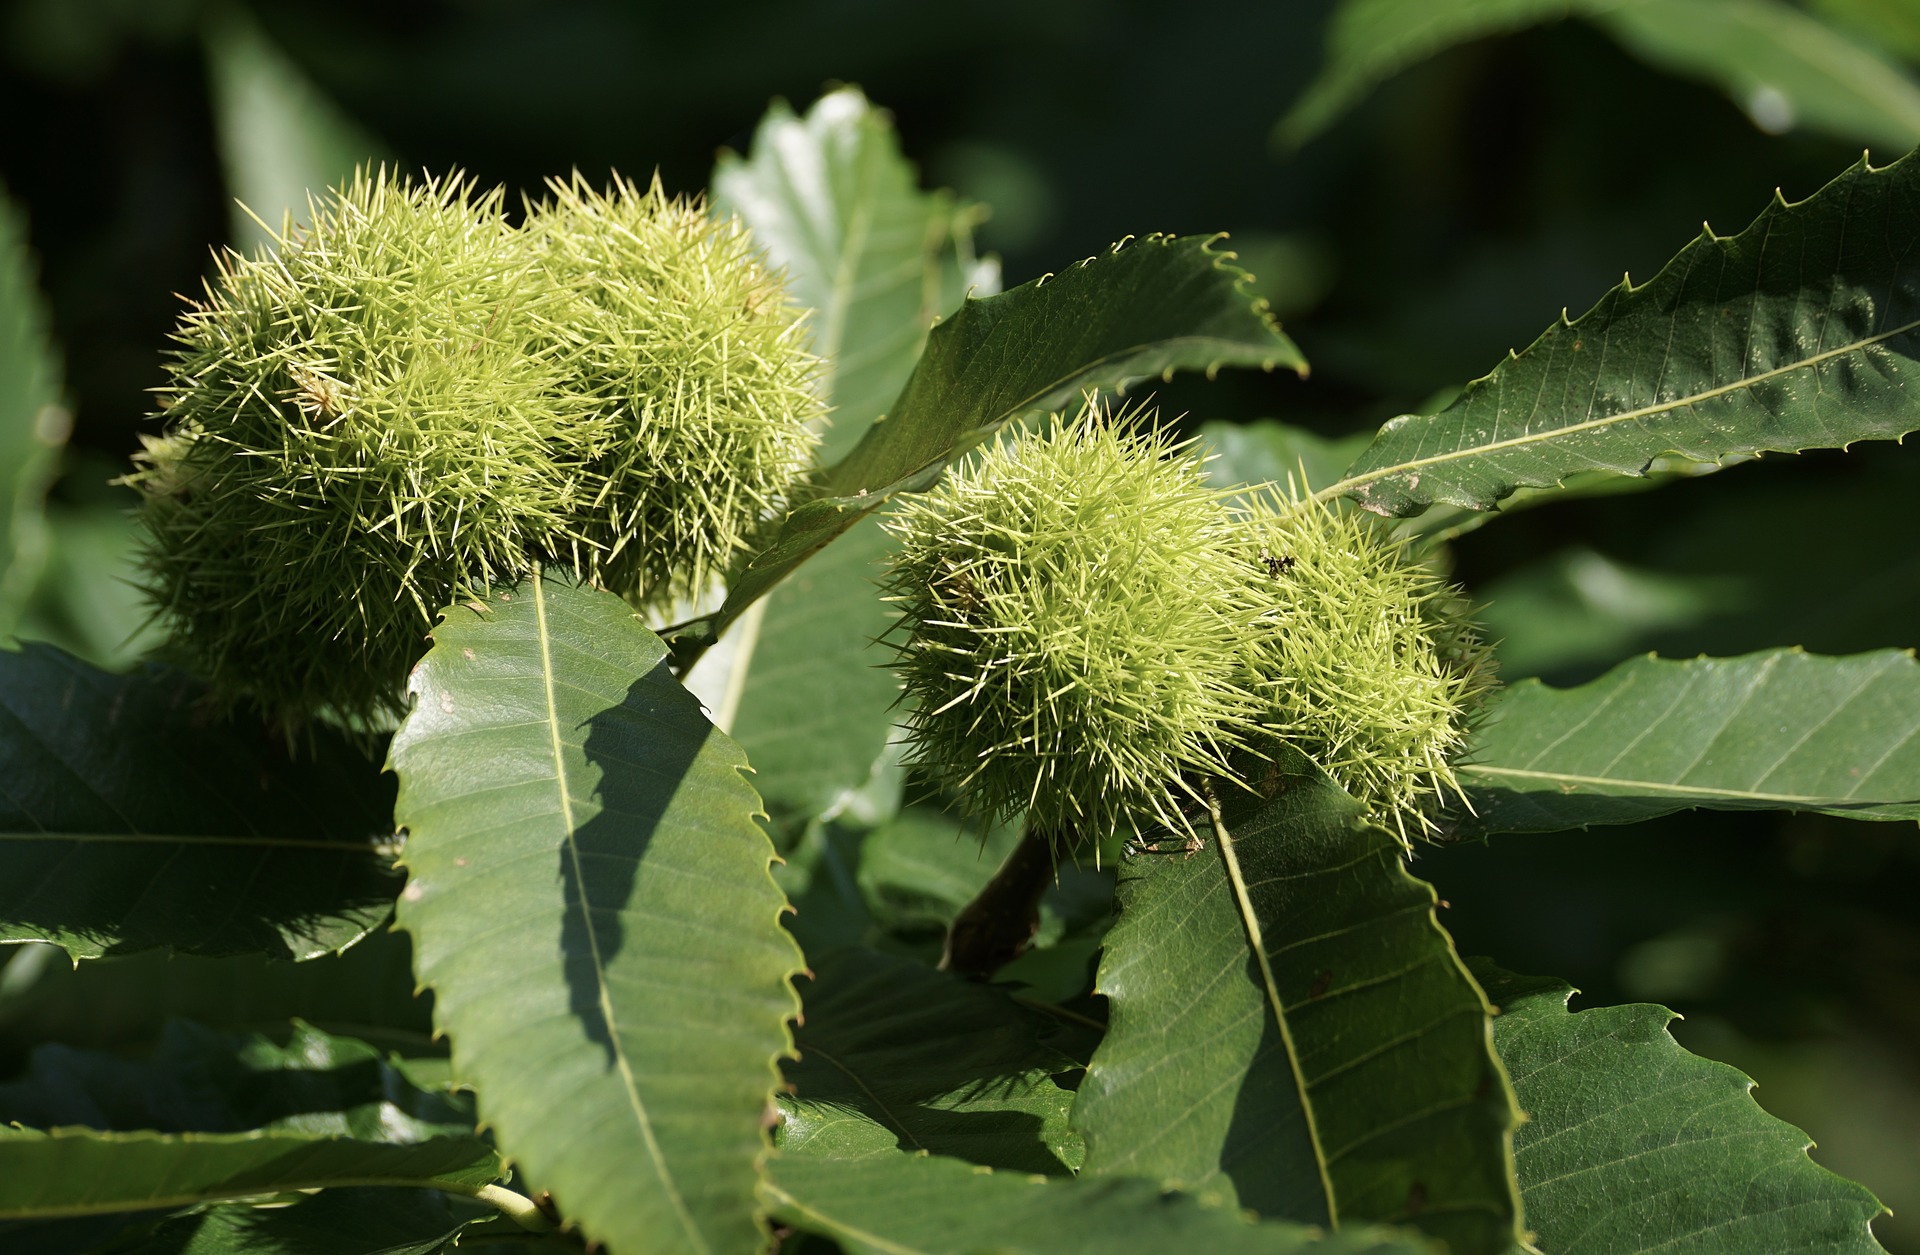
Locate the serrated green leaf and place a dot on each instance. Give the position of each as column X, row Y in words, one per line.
column 1796, row 333
column 118, row 1002
column 212, row 1116
column 926, row 1205
column 809, row 698
column 199, row 1080
column 1290, row 1028
column 589, row 900
column 365, row 992
column 334, row 1222
column 896, row 1056
column 919, row 869
column 877, row 262
column 280, row 139
column 1787, row 69
column 1778, row 730
column 1369, row 41
column 839, row 210
column 132, row 820
column 83, row 1172
column 1633, row 1145
column 1153, row 307
column 33, row 426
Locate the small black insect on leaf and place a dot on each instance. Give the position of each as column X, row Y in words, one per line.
column 1276, row 567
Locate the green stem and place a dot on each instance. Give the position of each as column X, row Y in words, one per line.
column 516, row 1207
column 998, row 925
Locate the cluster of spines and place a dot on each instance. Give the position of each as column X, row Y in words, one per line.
column 1073, row 629
column 1375, row 666
column 408, row 400
column 1088, row 629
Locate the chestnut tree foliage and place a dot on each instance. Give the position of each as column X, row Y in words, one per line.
column 662, row 925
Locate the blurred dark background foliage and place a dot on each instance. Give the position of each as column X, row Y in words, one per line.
column 1448, row 217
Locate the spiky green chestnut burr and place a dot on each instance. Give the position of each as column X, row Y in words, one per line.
column 1376, row 669
column 1074, row 612
column 689, row 351
column 360, row 429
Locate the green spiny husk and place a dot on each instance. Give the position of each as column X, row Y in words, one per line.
column 1076, row 616
column 408, row 401
column 688, row 351
column 1375, row 666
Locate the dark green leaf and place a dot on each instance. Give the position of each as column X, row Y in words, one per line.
column 132, row 819
column 33, row 425
column 1796, row 333
column 1147, row 309
column 918, row 870
column 81, row 1172
column 1787, row 69
column 589, row 900
column 925, row 1205
column 202, row 1081
column 217, row 1117
column 1369, row 41
column 1780, row 730
column 807, row 694
column 894, row 1055
column 1634, row 1145
column 365, row 992
column 334, row 1222
column 1290, row 1028
column 875, row 259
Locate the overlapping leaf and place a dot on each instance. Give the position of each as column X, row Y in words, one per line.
column 367, row 992
column 1369, row 41
column 1290, row 1028
column 1633, row 1145
column 589, row 900
column 333, row 1222
column 1783, row 66
column 926, row 1205
column 131, row 819
column 32, row 424
column 1787, row 69
column 1153, row 307
column 896, row 1056
column 1797, row 333
column 877, row 261
column 212, row 1117
column 1780, row 730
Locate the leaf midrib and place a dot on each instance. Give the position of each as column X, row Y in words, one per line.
column 1350, row 485
column 1250, row 919
column 1659, row 787
column 645, row 1123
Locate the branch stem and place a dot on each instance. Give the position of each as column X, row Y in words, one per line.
column 998, row 925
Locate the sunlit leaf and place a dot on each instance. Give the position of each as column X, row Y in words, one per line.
column 1290, row 1029
column 1781, row 730
column 1797, row 333
column 589, row 900
column 1634, row 1146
